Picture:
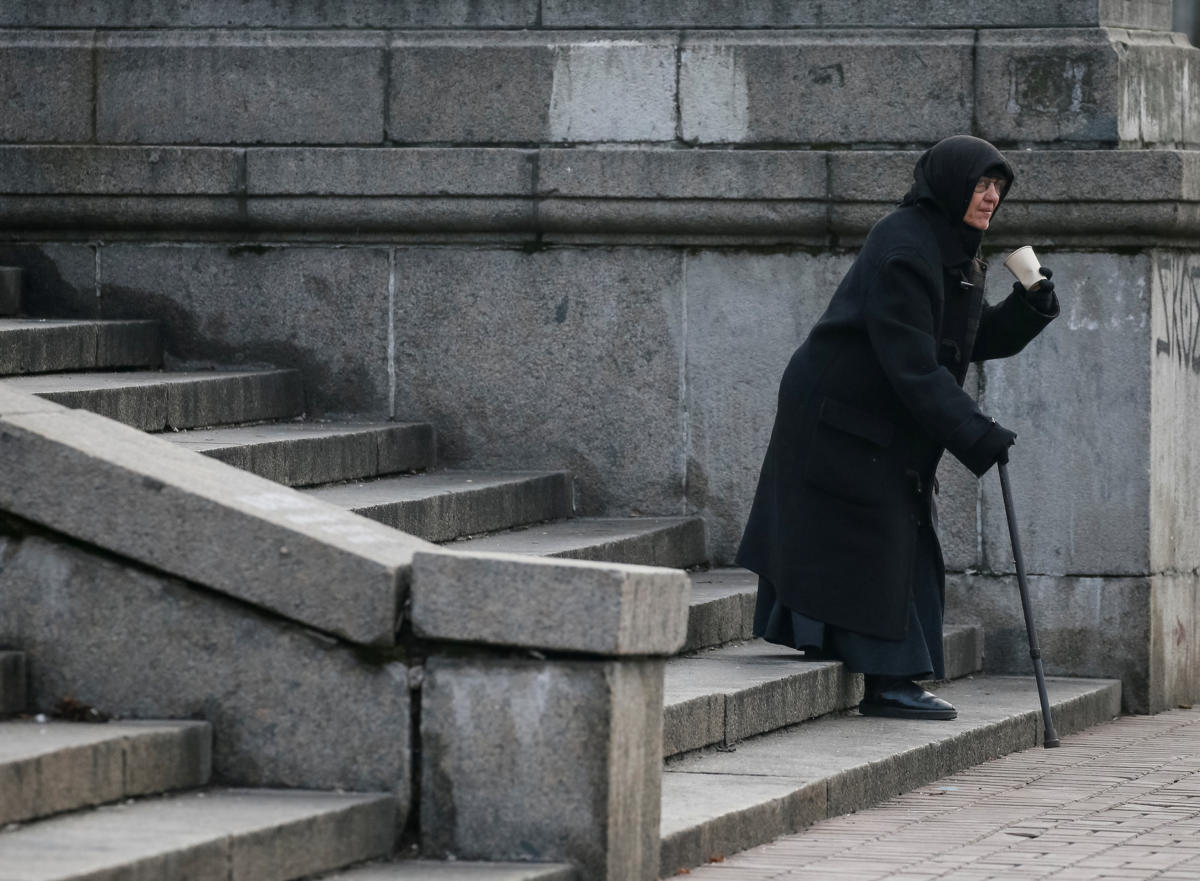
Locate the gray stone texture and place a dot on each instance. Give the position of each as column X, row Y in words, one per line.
column 674, row 542
column 189, row 515
column 50, row 767
column 826, row 87
column 722, row 607
column 446, row 505
column 100, row 170
column 527, row 87
column 10, row 289
column 746, row 314
column 239, row 835
column 1091, row 86
column 43, row 346
column 321, row 310
column 543, row 760
column 288, row 707
column 1174, row 411
column 557, row 605
column 957, row 502
column 46, row 84
column 456, row 870
column 213, row 87
column 563, row 358
column 59, row 279
column 718, row 802
column 855, row 13
column 1087, row 626
column 12, row 683
column 271, row 14
column 963, row 647
column 1079, row 471
column 307, row 453
column 158, row 401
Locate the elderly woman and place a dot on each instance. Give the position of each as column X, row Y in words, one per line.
column 842, row 532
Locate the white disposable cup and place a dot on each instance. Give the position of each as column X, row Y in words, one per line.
column 1023, row 263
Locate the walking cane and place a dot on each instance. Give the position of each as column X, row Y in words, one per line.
column 1050, row 739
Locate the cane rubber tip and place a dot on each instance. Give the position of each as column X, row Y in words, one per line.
column 1051, row 744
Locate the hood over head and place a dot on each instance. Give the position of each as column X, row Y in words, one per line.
column 944, row 181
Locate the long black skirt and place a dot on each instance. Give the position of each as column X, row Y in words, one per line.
column 917, row 656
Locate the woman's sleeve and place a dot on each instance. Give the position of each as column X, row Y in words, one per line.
column 1007, row 327
column 899, row 312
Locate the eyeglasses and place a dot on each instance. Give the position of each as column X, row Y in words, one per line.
column 983, row 183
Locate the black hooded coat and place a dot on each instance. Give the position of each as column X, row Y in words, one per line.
column 873, row 397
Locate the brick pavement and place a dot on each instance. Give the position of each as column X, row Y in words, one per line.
column 1119, row 801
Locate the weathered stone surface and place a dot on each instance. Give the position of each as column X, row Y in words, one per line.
column 288, row 707
column 1174, row 412
column 175, row 87
column 46, row 83
column 1087, row 626
column 596, row 389
column 963, row 648
column 675, row 542
column 825, row 87
column 272, row 14
column 855, row 13
column 458, row 870
column 1079, row 477
column 746, row 314
column 50, row 767
column 10, row 290
column 1091, row 86
column 242, row 835
column 388, row 171
column 543, row 760
column 831, row 766
column 446, row 505
column 189, row 515
column 559, row 605
column 156, row 401
column 651, row 173
column 95, row 170
column 1174, row 669
column 957, row 500
column 520, row 88
column 722, row 607
column 321, row 310
column 308, row 453
column 12, row 683
column 42, row 346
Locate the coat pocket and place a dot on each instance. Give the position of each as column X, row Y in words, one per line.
column 846, row 457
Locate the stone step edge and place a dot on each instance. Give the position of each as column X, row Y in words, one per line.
column 72, row 765
column 456, row 503
column 456, row 870
column 35, row 346
column 330, row 452
column 812, row 690
column 13, row 696
column 309, row 833
column 813, row 801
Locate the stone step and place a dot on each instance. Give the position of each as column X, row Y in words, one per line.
column 722, row 607
column 310, row 453
column 10, row 290
column 676, row 542
column 50, row 767
column 238, row 835
column 718, row 802
column 13, row 698
column 453, row 870
column 727, row 694
column 156, row 400
column 38, row 345
column 446, row 505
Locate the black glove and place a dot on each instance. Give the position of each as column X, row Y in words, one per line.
column 1042, row 295
column 989, row 449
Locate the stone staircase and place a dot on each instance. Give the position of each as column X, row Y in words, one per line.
column 129, row 799
column 757, row 742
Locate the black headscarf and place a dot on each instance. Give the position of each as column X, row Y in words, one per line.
column 944, row 182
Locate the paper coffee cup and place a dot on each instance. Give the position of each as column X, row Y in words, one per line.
column 1023, row 263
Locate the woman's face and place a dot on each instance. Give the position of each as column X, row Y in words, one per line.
column 984, row 201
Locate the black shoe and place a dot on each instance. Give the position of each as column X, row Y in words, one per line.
column 902, row 699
